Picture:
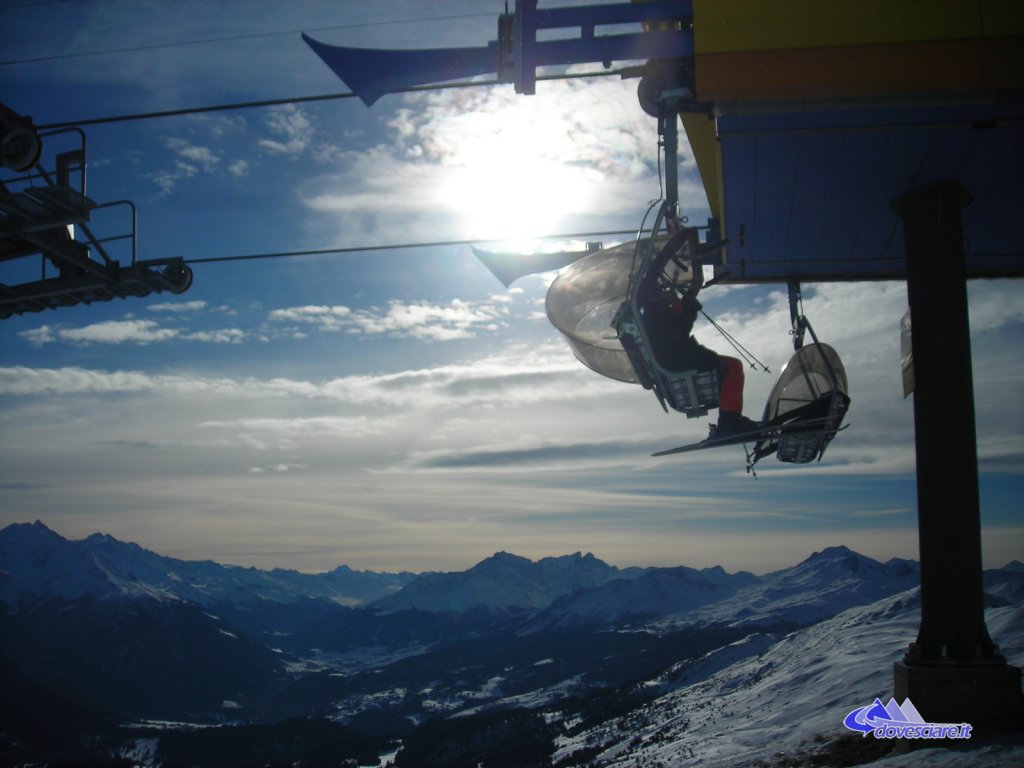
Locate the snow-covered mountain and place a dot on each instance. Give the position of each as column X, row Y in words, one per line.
column 1006, row 583
column 504, row 582
column 655, row 593
column 123, row 630
column 35, row 561
column 626, row 667
column 755, row 700
column 823, row 585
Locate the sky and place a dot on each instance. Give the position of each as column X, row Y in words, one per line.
column 401, row 409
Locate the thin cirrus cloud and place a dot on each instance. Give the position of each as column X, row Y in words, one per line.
column 287, row 132
column 107, row 332
column 492, row 457
column 530, row 375
column 177, row 306
column 419, row 320
column 314, row 426
column 292, row 129
column 138, row 332
column 189, row 160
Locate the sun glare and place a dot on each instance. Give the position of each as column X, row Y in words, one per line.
column 511, row 175
column 513, row 199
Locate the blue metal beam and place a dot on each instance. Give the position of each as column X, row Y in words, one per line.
column 527, row 53
column 517, row 54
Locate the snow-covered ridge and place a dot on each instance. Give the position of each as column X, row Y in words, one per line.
column 826, row 583
column 655, row 593
column 757, row 699
column 37, row 562
column 763, row 690
column 504, row 582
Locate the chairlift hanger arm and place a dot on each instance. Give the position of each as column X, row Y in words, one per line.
column 796, row 314
column 517, row 53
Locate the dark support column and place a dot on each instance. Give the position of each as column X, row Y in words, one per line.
column 671, row 140
column 953, row 672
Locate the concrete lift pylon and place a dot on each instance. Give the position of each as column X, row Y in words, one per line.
column 953, row 672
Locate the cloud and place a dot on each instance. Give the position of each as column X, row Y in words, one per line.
column 177, row 306
column 434, row 322
column 550, row 455
column 73, row 380
column 165, row 180
column 594, row 124
column 25, row 381
column 547, row 373
column 37, row 337
column 192, row 158
column 995, row 304
column 488, row 163
column 323, row 317
column 520, row 376
column 199, row 154
column 319, row 426
column 217, row 126
column 117, row 332
column 419, row 320
column 280, row 468
column 134, row 331
column 292, row 126
column 222, row 336
column 189, row 160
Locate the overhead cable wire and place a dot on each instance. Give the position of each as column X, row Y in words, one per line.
column 193, row 110
column 225, row 39
column 394, row 247
column 296, row 100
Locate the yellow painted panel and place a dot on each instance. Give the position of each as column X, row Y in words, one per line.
column 863, row 71
column 700, row 132
column 750, row 25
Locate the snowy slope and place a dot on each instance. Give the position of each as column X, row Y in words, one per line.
column 823, row 585
column 1006, row 583
column 37, row 562
column 657, row 592
column 504, row 582
column 783, row 698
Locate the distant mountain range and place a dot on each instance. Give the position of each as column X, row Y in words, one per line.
column 35, row 561
column 505, row 582
column 109, row 629
column 38, row 563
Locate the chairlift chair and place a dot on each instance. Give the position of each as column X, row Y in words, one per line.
column 807, row 403
column 691, row 392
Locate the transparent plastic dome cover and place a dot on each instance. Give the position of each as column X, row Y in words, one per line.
column 807, row 378
column 583, row 301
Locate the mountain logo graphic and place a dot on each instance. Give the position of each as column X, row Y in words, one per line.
column 895, row 721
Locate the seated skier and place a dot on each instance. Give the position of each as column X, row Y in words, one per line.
column 669, row 315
